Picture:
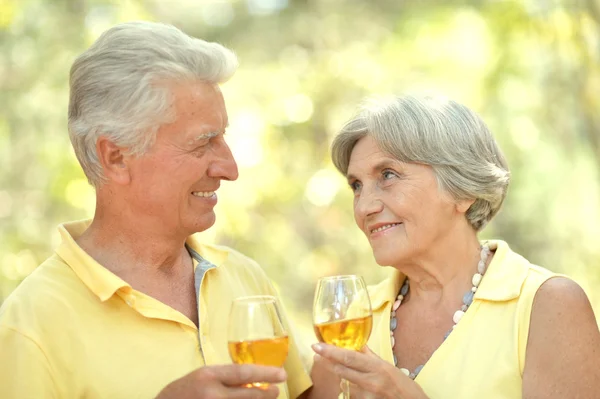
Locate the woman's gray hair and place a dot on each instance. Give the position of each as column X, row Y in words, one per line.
column 118, row 87
column 438, row 132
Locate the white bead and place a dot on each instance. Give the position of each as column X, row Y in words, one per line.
column 476, row 279
column 405, row 371
column 473, row 289
column 484, row 253
column 393, row 341
column 457, row 316
column 400, row 297
column 481, row 267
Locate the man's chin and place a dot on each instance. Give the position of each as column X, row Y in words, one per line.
column 203, row 223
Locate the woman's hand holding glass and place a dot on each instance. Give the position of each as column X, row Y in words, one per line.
column 342, row 315
column 370, row 376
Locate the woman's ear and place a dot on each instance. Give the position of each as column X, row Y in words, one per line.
column 113, row 161
column 463, row 206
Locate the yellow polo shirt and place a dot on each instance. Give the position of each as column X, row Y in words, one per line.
column 485, row 354
column 73, row 329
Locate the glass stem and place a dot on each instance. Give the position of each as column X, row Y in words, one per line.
column 345, row 385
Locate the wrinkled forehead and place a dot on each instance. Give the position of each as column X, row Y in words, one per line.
column 367, row 156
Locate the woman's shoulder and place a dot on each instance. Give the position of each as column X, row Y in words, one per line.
column 561, row 291
column 513, row 263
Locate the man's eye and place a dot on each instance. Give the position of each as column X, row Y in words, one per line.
column 199, row 149
column 388, row 174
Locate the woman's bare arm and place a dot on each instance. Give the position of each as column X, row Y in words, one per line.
column 563, row 350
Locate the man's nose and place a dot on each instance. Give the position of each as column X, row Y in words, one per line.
column 223, row 166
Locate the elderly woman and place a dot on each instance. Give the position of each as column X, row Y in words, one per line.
column 459, row 318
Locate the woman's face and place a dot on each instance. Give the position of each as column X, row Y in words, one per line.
column 398, row 205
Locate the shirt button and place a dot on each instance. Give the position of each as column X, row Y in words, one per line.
column 130, row 300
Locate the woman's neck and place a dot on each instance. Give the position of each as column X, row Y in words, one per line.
column 444, row 271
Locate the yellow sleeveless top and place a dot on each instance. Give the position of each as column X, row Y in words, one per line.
column 485, row 354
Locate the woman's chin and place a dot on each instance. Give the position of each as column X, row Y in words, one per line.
column 386, row 259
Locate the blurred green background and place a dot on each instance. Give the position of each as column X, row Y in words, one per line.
column 530, row 68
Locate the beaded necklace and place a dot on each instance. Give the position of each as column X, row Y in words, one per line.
column 467, row 301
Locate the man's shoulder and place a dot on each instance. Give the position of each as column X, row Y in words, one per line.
column 42, row 296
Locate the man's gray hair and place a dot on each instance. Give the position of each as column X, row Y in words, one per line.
column 434, row 131
column 118, row 87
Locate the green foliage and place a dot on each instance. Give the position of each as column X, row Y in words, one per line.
column 530, row 68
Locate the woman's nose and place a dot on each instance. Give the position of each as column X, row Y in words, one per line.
column 367, row 204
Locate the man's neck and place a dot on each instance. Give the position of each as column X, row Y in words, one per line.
column 126, row 247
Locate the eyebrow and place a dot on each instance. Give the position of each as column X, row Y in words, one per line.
column 386, row 163
column 205, row 136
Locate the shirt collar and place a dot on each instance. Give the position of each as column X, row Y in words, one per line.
column 502, row 280
column 215, row 254
column 102, row 282
column 504, row 276
column 387, row 290
column 96, row 277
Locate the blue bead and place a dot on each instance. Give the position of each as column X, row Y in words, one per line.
column 404, row 289
column 447, row 334
column 393, row 323
column 468, row 298
column 395, row 360
column 418, row 369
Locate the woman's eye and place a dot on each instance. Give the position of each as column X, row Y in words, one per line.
column 355, row 186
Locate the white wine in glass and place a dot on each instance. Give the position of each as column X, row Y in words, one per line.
column 256, row 334
column 342, row 315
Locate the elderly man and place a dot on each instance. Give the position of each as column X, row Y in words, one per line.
column 133, row 304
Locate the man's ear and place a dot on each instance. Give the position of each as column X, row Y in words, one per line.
column 463, row 206
column 113, row 161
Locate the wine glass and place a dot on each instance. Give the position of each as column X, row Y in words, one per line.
column 342, row 315
column 256, row 334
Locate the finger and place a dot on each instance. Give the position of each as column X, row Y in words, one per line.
column 367, row 351
column 270, row 392
column 361, row 383
column 350, row 359
column 374, row 382
column 323, row 363
column 234, row 375
column 359, row 378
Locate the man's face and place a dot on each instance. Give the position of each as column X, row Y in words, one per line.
column 174, row 184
